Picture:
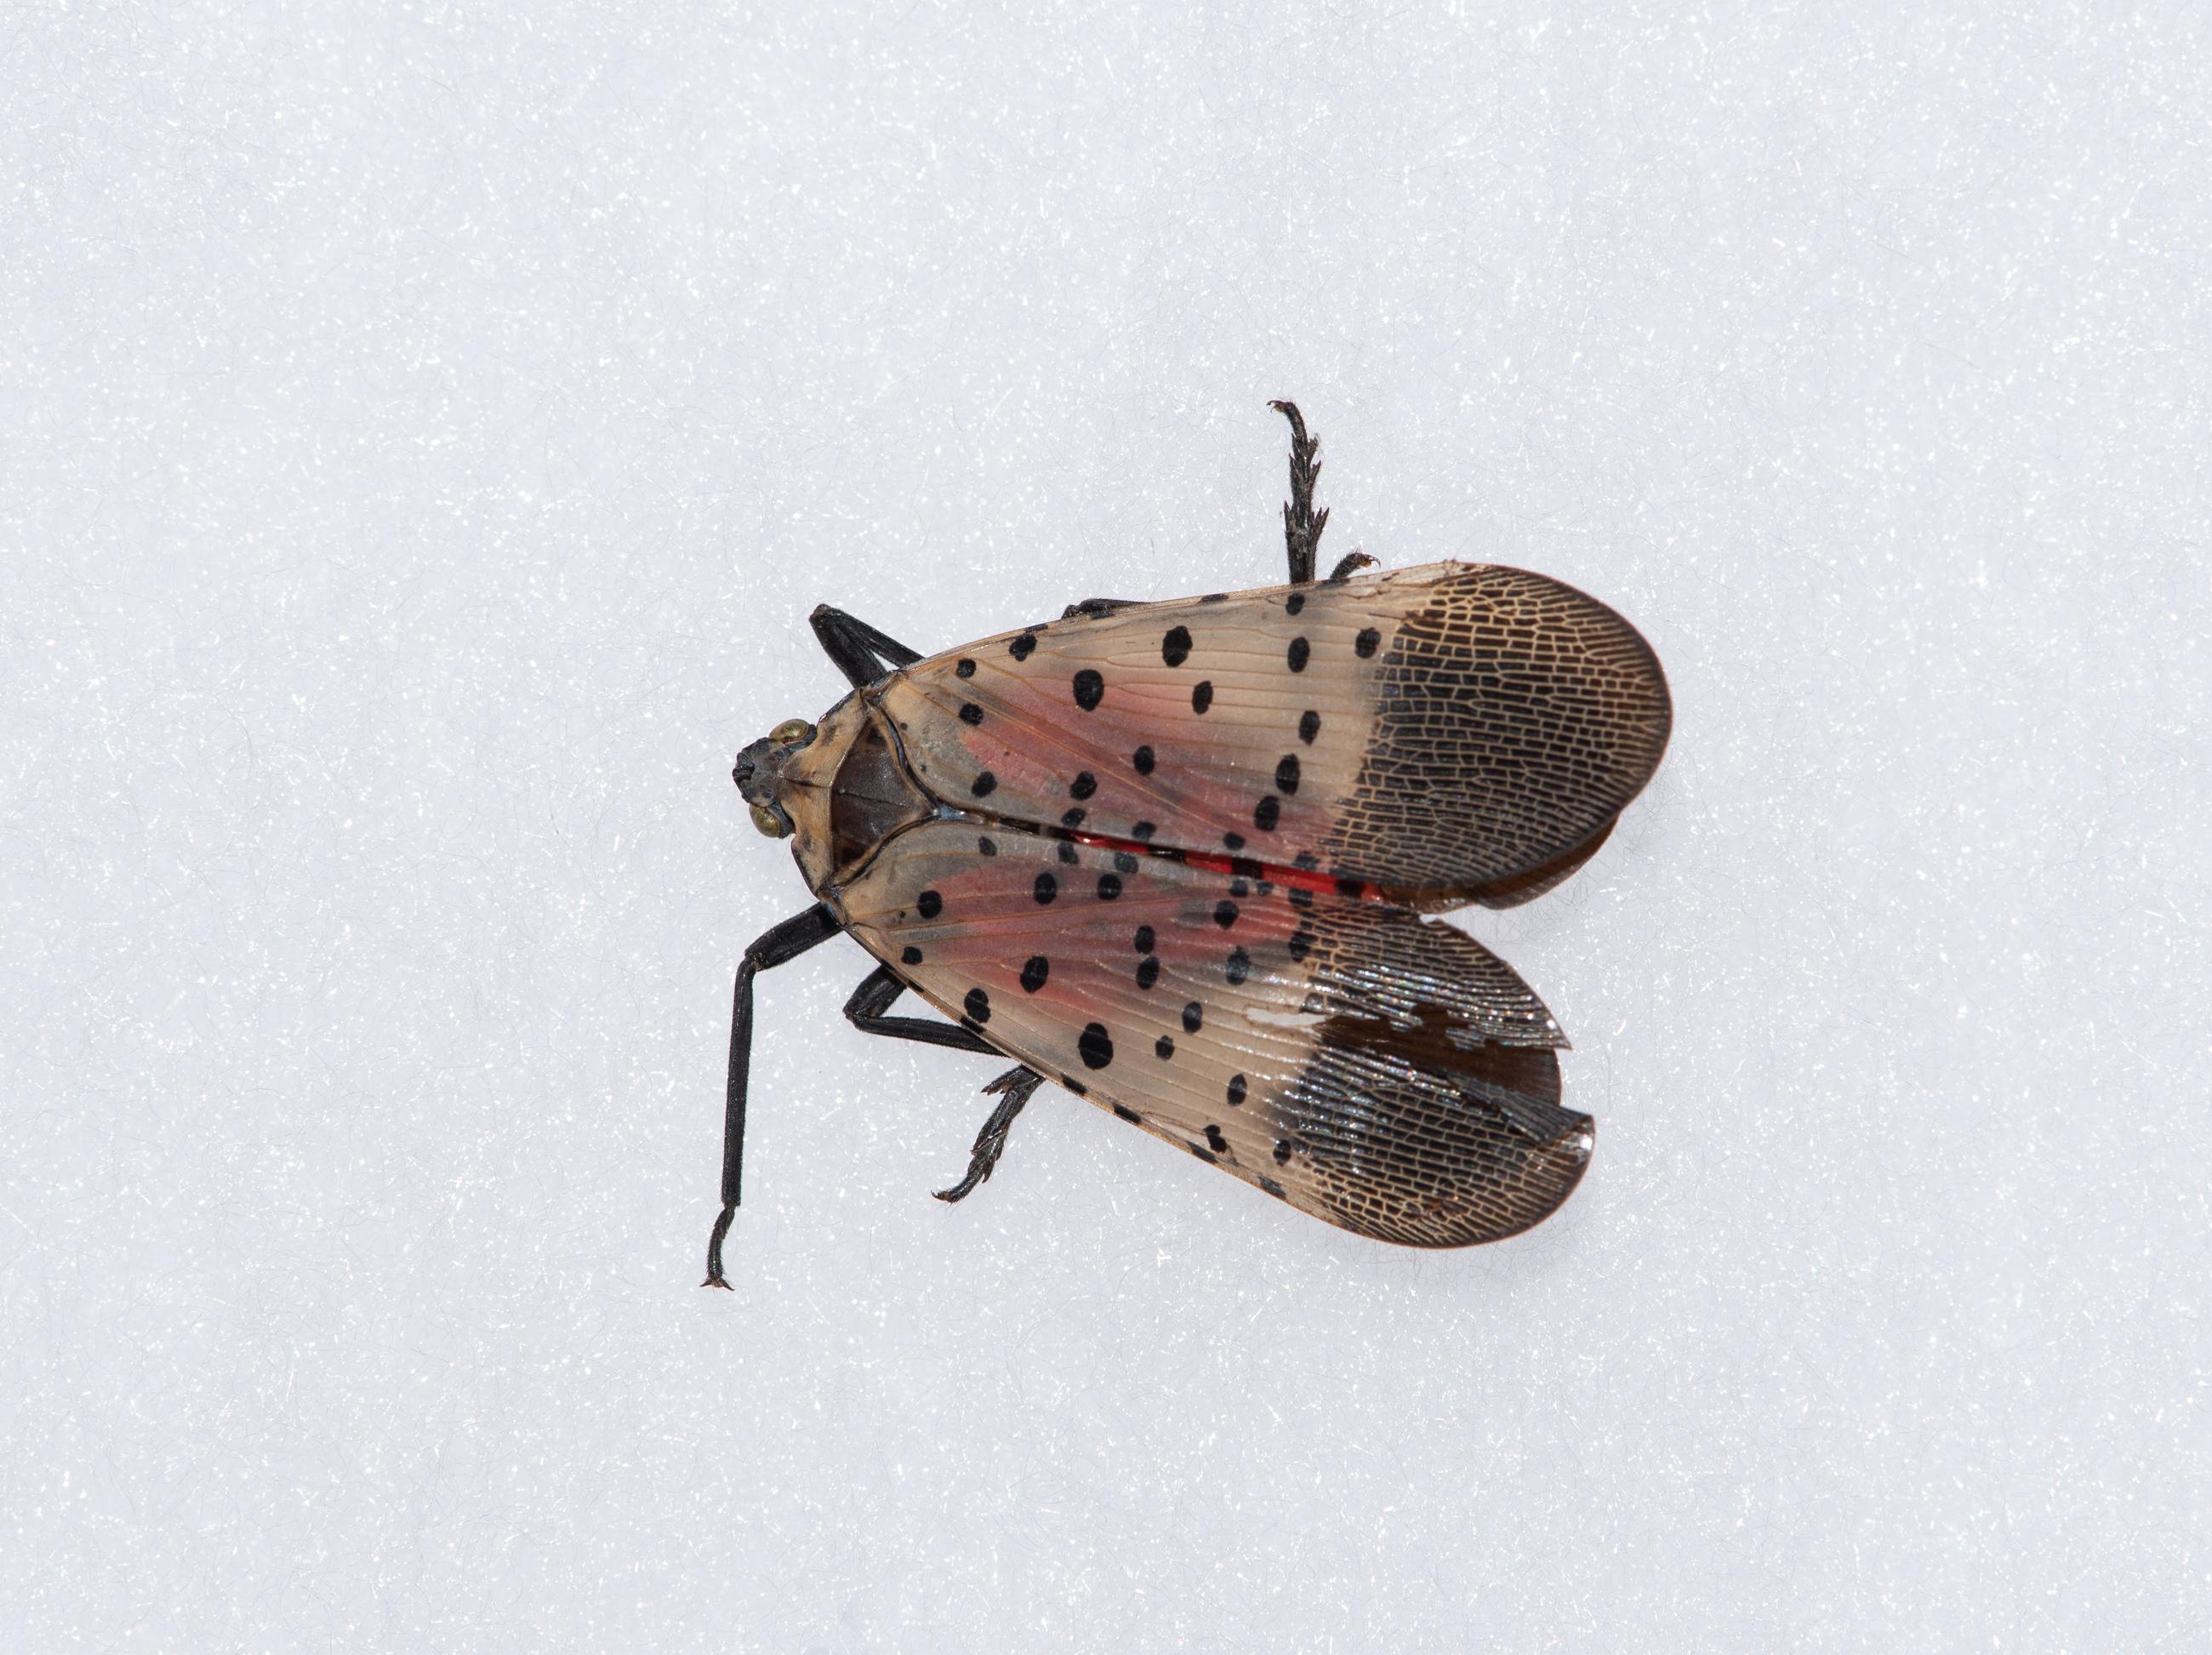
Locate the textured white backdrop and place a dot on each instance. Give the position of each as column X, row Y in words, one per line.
column 423, row 434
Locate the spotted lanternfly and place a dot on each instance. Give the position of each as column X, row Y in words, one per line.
column 1176, row 856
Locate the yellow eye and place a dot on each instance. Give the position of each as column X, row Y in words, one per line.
column 768, row 822
column 792, row 733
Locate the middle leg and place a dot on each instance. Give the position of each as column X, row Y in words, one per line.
column 866, row 1009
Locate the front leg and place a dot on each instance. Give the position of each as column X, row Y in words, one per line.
column 786, row 941
column 862, row 653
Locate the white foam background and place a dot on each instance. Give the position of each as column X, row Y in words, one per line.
column 423, row 434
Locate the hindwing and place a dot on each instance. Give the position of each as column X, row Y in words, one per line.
column 1377, row 1069
column 1446, row 734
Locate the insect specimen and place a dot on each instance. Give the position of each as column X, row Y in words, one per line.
column 1177, row 857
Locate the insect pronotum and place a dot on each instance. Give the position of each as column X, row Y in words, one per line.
column 1176, row 856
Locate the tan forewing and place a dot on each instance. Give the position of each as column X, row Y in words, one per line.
column 1441, row 731
column 1378, row 1070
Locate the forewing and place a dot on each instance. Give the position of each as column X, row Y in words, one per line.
column 1378, row 1070
column 1450, row 732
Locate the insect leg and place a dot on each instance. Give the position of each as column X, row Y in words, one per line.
column 874, row 997
column 866, row 1008
column 1302, row 524
column 1017, row 1085
column 1349, row 563
column 1096, row 606
column 862, row 653
column 774, row 946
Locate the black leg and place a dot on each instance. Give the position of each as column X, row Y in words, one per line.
column 862, row 653
column 874, row 997
column 1096, row 606
column 866, row 1008
column 773, row 947
column 1302, row 524
column 991, row 1142
column 1351, row 564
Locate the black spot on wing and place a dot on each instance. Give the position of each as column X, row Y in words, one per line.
column 1095, row 1047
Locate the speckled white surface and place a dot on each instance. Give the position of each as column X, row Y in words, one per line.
column 422, row 436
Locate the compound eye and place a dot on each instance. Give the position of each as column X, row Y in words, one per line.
column 768, row 822
column 792, row 732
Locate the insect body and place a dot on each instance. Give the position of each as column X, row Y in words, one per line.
column 1176, row 857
